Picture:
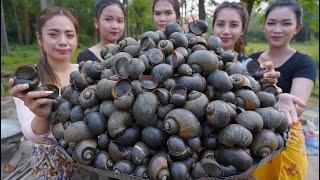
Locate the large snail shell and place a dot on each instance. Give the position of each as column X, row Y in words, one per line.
column 147, row 43
column 179, row 170
column 155, row 56
column 103, row 161
column 163, row 110
column 198, row 47
column 124, row 167
column 84, row 152
column 247, row 99
column 154, row 137
column 77, row 131
column 133, row 50
column 63, row 111
column 88, row 97
column 178, row 39
column 195, row 144
column 162, row 95
column 91, row 69
column 256, row 87
column 264, row 143
column 137, row 87
column 94, row 108
column 214, row 43
column 251, row 120
column 121, row 67
column 284, row 125
column 118, row 122
column 103, row 141
column 158, row 167
column 175, row 59
column 178, row 95
column 107, row 108
column 78, row 80
column 182, row 122
column 109, row 50
column 136, row 68
column 141, row 172
column 236, row 157
column 228, row 56
column 272, row 118
column 253, row 68
column 140, row 153
column 118, row 152
column 144, row 109
column 58, row 131
column 108, row 63
column 177, row 148
column 207, row 60
column 197, row 40
column 104, row 89
column 211, row 167
column 266, row 99
column 166, row 47
column 198, row 171
column 193, row 82
column 240, row 81
column 70, row 94
column 128, row 41
column 148, row 82
column 96, row 123
column 198, row 27
column 197, row 103
column 220, row 81
column 27, row 74
column 130, row 136
column 171, row 28
column 235, row 67
column 185, row 70
column 210, row 92
column 162, row 72
column 219, row 113
column 226, row 96
column 235, row 135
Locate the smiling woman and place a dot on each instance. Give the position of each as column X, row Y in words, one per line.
column 109, row 21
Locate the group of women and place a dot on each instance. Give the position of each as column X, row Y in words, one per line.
column 57, row 30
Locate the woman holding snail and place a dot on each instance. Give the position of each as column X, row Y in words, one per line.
column 57, row 35
column 283, row 19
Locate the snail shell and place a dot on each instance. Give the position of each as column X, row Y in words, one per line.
column 166, row 47
column 264, row 143
column 58, row 131
column 162, row 72
column 154, row 137
column 141, row 172
column 177, row 148
column 214, row 43
column 198, row 27
column 103, row 161
column 158, row 167
column 124, row 167
column 197, row 103
column 144, row 109
column 88, row 97
column 220, row 81
column 84, row 152
column 251, row 120
column 103, row 141
column 182, row 122
column 129, row 136
column 118, row 122
column 235, row 135
column 247, row 99
column 193, row 82
column 63, row 111
column 118, row 152
column 104, row 89
column 96, row 123
column 219, row 113
column 272, row 118
column 266, row 99
column 140, row 153
column 236, row 157
column 106, row 108
column 136, row 68
column 207, row 60
column 27, row 74
column 178, row 95
column 77, row 132
column 179, row 170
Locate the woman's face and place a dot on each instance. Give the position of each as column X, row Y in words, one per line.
column 111, row 24
column 58, row 38
column 163, row 14
column 280, row 26
column 228, row 27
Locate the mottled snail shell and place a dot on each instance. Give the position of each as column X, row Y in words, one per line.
column 63, row 111
column 178, row 95
column 96, row 123
column 185, row 70
column 140, row 153
column 147, row 43
column 197, row 40
column 163, row 110
column 211, row 167
column 128, row 41
column 234, row 67
column 198, row 27
column 137, row 67
column 163, row 95
column 177, row 148
column 103, row 161
column 264, row 143
column 109, row 50
column 106, row 108
column 194, row 82
column 207, row 60
column 266, row 99
column 133, row 50
column 154, row 137
column 108, row 63
column 247, row 99
column 121, row 67
column 214, row 43
column 84, row 152
column 27, row 74
column 219, row 113
column 162, row 72
column 144, row 109
column 198, row 47
column 251, row 120
column 256, row 87
column 172, row 27
column 77, row 132
column 91, row 69
column 182, row 122
column 240, row 81
column 178, row 39
column 175, row 59
column 158, row 167
column 78, row 80
column 235, row 135
column 165, row 46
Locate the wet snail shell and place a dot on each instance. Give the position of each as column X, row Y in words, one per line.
column 108, row 63
column 240, row 81
column 281, row 141
column 91, row 69
column 158, row 167
column 197, row 40
column 211, row 167
column 27, row 74
column 234, row 67
column 128, row 41
column 163, row 110
column 198, row 27
column 107, row 108
column 154, row 137
column 122, row 94
column 251, row 120
column 94, row 108
column 220, row 80
column 133, row 50
column 88, row 97
column 84, row 152
column 121, row 67
column 178, row 39
column 266, row 99
column 197, row 103
column 129, row 136
column 178, row 95
column 103, row 141
column 254, row 84
column 140, row 153
column 171, row 28
column 165, row 46
column 118, row 122
column 198, row 171
column 284, row 125
column 194, row 82
column 210, row 92
column 137, row 87
column 162, row 95
column 118, row 152
column 235, row 135
column 214, row 43
column 58, row 131
column 63, row 111
column 247, row 99
column 103, row 161
column 226, row 96
column 148, row 82
column 175, row 59
column 76, row 114
column 141, row 172
column 264, row 143
column 109, row 50
column 96, row 123
column 162, row 72
column 137, row 67
column 253, row 68
column 77, row 132
column 219, row 113
column 144, row 109
column 177, row 148
column 198, row 47
column 272, row 118
column 207, row 60
column 179, row 170
column 185, row 70
column 124, row 167
column 182, row 122
column 195, row 144
column 104, row 89
column 169, row 83
column 227, row 157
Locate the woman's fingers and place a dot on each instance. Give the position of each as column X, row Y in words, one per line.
column 299, row 102
column 18, row 89
column 38, row 94
column 268, row 81
column 279, row 90
column 10, row 83
column 39, row 102
column 288, row 115
column 294, row 116
column 272, row 74
column 268, row 65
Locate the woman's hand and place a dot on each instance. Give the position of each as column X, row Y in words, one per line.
column 36, row 101
column 188, row 20
column 288, row 104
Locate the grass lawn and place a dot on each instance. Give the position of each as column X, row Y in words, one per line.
column 20, row 55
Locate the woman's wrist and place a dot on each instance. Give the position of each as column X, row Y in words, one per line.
column 40, row 125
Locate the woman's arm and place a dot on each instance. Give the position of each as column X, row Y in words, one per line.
column 301, row 88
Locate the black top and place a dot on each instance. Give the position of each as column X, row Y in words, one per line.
column 86, row 55
column 298, row 65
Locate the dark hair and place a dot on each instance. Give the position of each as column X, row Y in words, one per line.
column 296, row 8
column 45, row 70
column 174, row 3
column 242, row 10
column 100, row 4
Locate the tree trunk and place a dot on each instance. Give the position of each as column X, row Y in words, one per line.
column 202, row 12
column 250, row 6
column 26, row 22
column 125, row 4
column 4, row 38
column 17, row 21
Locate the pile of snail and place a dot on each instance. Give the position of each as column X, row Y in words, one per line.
column 169, row 106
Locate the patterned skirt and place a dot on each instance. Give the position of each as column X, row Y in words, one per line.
column 50, row 161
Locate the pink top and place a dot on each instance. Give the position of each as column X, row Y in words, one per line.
column 25, row 117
